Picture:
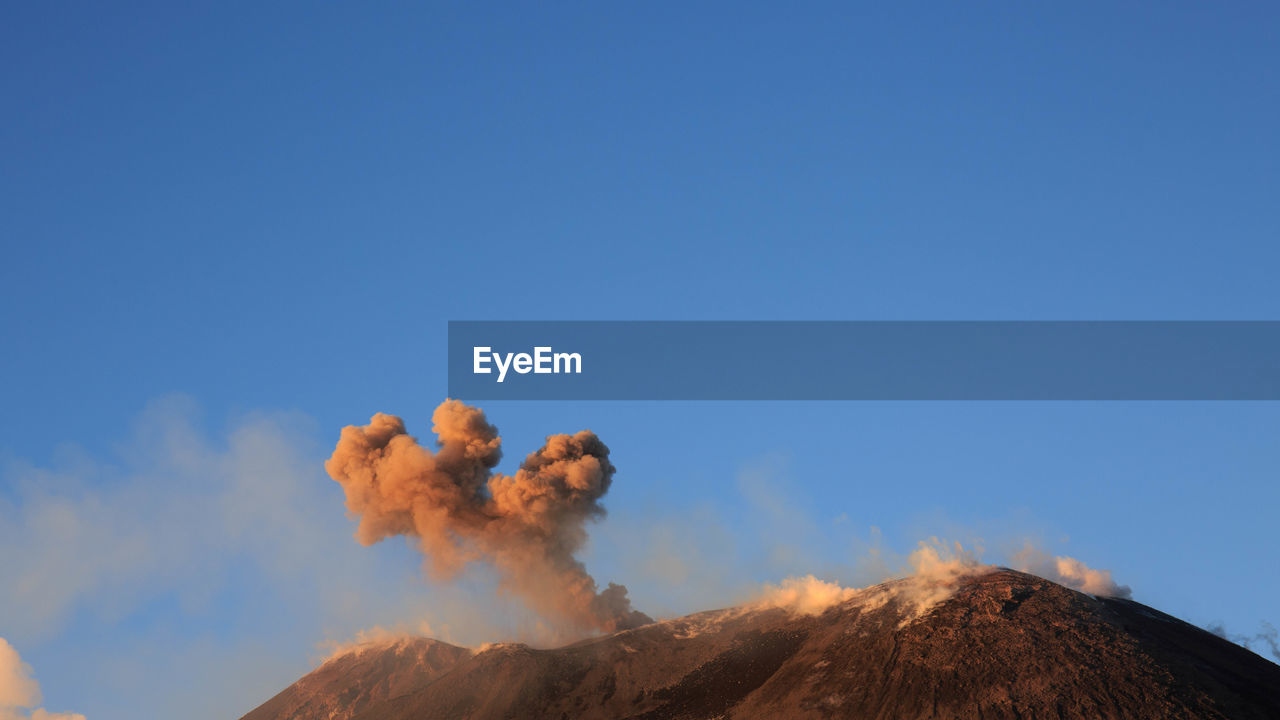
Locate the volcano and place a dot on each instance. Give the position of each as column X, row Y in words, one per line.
column 1002, row 645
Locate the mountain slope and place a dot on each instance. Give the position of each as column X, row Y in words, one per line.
column 1003, row 645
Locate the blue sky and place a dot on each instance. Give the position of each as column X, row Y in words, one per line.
column 231, row 214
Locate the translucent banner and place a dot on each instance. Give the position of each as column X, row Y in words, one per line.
column 768, row 360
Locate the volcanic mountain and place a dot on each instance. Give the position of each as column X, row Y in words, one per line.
column 1002, row 645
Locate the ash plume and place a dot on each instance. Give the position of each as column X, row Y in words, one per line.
column 528, row 526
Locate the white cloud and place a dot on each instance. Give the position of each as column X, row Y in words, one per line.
column 19, row 691
column 1068, row 571
column 17, row 687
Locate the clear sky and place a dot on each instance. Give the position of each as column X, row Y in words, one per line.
column 230, row 229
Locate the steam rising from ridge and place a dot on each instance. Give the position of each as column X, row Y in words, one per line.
column 1070, row 572
column 934, row 571
column 935, row 567
column 529, row 526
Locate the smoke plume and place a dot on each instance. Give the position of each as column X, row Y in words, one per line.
column 528, row 526
column 804, row 595
column 933, row 572
column 1267, row 636
column 1070, row 572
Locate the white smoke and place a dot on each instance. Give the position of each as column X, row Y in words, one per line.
column 932, row 574
column 1069, row 572
column 805, row 595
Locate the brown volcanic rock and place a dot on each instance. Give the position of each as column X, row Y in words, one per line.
column 1004, row 645
column 344, row 686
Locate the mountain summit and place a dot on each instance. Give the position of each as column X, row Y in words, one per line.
column 1002, row 645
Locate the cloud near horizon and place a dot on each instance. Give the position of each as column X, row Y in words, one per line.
column 19, row 691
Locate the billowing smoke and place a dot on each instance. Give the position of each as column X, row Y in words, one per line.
column 528, row 526
column 803, row 595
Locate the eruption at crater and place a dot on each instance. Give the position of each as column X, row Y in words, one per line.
column 528, row 526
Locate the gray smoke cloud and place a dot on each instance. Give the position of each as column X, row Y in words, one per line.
column 1265, row 637
column 529, row 526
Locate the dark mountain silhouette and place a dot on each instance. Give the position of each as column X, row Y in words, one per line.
column 1003, row 645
